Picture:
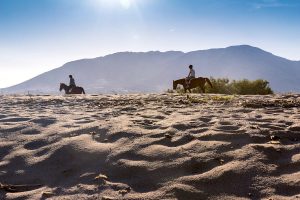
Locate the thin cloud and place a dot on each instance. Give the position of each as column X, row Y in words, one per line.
column 272, row 4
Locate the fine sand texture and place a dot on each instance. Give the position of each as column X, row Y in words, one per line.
column 150, row 146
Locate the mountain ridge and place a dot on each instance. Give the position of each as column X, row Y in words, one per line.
column 153, row 71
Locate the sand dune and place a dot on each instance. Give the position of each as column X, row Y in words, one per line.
column 150, row 146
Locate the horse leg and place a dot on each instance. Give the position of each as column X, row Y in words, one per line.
column 185, row 89
column 203, row 89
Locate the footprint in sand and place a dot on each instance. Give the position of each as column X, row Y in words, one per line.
column 167, row 112
column 271, row 126
column 98, row 134
column 42, row 152
column 185, row 113
column 184, row 127
column 71, row 126
column 225, row 123
column 30, row 132
column 98, row 117
column 150, row 126
column 288, row 123
column 15, row 119
column 85, row 122
column 174, row 143
column 159, row 117
column 198, row 131
column 5, row 151
column 294, row 128
column 2, row 116
column 113, row 137
column 35, row 144
column 44, row 122
column 13, row 129
column 159, row 135
column 200, row 165
column 205, row 119
column 228, row 128
column 224, row 137
column 146, row 124
column 82, row 118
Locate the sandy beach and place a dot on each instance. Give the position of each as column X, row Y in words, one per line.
column 150, row 146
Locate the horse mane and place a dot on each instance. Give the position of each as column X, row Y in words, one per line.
column 179, row 80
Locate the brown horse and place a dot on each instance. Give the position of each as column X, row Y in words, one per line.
column 196, row 82
column 75, row 90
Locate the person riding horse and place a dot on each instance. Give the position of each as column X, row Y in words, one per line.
column 72, row 83
column 191, row 76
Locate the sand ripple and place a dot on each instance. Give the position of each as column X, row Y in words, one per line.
column 150, row 146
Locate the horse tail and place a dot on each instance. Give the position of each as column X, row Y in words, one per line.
column 83, row 92
column 208, row 81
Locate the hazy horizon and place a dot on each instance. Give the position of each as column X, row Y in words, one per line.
column 37, row 36
column 39, row 73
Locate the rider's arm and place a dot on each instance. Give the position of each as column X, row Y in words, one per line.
column 189, row 74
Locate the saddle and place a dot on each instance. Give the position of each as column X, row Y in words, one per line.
column 189, row 81
column 71, row 87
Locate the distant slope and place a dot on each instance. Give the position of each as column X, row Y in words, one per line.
column 154, row 71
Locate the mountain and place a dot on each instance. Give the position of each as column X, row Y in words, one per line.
column 154, row 71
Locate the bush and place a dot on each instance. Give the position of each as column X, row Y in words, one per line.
column 220, row 86
column 242, row 87
column 245, row 86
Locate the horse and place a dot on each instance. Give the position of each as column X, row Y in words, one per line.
column 196, row 82
column 75, row 90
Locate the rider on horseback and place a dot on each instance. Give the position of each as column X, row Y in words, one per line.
column 190, row 76
column 72, row 83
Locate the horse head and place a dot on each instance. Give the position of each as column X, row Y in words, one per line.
column 61, row 86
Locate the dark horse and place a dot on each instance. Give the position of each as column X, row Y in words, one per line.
column 75, row 90
column 196, row 82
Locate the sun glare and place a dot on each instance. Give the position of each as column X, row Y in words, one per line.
column 126, row 4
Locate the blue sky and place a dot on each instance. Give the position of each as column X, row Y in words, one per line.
column 39, row 35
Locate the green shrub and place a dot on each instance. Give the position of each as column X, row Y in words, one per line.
column 242, row 87
column 220, row 86
column 245, row 86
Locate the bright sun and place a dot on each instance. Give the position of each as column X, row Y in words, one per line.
column 124, row 3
